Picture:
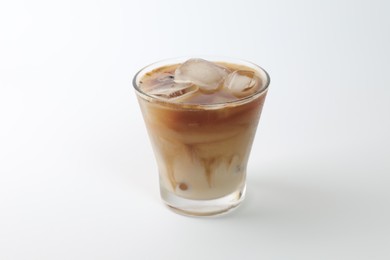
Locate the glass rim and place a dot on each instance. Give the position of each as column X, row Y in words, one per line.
column 172, row 61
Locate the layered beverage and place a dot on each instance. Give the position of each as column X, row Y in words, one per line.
column 201, row 117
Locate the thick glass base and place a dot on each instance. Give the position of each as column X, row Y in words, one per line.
column 201, row 208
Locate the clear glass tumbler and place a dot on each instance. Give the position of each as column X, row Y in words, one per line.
column 202, row 150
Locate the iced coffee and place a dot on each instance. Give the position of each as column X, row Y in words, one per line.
column 201, row 117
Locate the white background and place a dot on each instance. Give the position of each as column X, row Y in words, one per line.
column 77, row 174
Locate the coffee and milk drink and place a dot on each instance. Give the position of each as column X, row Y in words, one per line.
column 201, row 117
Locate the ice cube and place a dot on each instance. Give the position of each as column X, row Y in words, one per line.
column 202, row 73
column 174, row 91
column 242, row 83
column 164, row 80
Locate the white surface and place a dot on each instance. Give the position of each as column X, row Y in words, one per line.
column 77, row 173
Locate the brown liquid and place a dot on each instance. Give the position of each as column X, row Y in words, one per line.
column 201, row 151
